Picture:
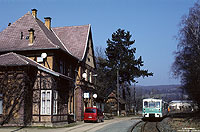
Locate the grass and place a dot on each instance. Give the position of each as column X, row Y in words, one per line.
column 185, row 121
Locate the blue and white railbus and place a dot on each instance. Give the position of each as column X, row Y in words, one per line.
column 154, row 108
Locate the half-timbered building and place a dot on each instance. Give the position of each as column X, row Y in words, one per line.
column 46, row 66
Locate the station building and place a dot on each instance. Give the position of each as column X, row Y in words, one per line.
column 41, row 72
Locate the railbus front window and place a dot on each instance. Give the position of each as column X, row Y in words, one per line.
column 145, row 104
column 151, row 104
column 157, row 104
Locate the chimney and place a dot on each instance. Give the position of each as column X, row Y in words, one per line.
column 34, row 13
column 31, row 36
column 48, row 22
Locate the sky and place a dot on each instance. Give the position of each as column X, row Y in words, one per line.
column 152, row 23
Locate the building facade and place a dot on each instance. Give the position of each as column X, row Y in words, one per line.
column 112, row 104
column 51, row 63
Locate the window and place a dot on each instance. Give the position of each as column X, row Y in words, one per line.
column 88, row 75
column 70, row 70
column 86, row 78
column 151, row 104
column 157, row 104
column 55, row 102
column 90, row 111
column 46, row 102
column 70, row 104
column 61, row 67
column 145, row 104
column 90, row 79
column 1, row 104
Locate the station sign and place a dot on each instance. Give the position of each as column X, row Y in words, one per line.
column 86, row 95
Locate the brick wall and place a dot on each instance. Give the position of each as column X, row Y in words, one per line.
column 79, row 104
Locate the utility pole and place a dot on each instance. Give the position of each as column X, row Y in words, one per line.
column 117, row 92
column 134, row 99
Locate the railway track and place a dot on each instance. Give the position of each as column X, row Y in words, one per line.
column 146, row 127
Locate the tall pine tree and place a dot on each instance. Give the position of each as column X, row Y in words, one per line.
column 120, row 55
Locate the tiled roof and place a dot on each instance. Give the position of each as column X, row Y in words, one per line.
column 74, row 39
column 112, row 95
column 13, row 59
column 10, row 38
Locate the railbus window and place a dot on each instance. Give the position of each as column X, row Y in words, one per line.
column 157, row 104
column 151, row 104
column 145, row 104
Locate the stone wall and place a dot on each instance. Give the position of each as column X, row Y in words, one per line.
column 15, row 89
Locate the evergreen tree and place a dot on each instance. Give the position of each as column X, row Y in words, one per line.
column 120, row 55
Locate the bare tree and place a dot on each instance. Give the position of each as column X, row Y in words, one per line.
column 104, row 82
column 187, row 57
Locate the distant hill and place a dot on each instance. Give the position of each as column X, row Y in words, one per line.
column 166, row 92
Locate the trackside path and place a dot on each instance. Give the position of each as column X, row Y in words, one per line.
column 82, row 127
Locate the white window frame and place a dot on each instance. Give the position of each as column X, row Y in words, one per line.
column 55, row 102
column 45, row 108
column 90, row 77
column 86, row 71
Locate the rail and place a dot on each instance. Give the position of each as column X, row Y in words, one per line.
column 146, row 127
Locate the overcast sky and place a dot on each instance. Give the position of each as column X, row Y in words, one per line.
column 152, row 23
